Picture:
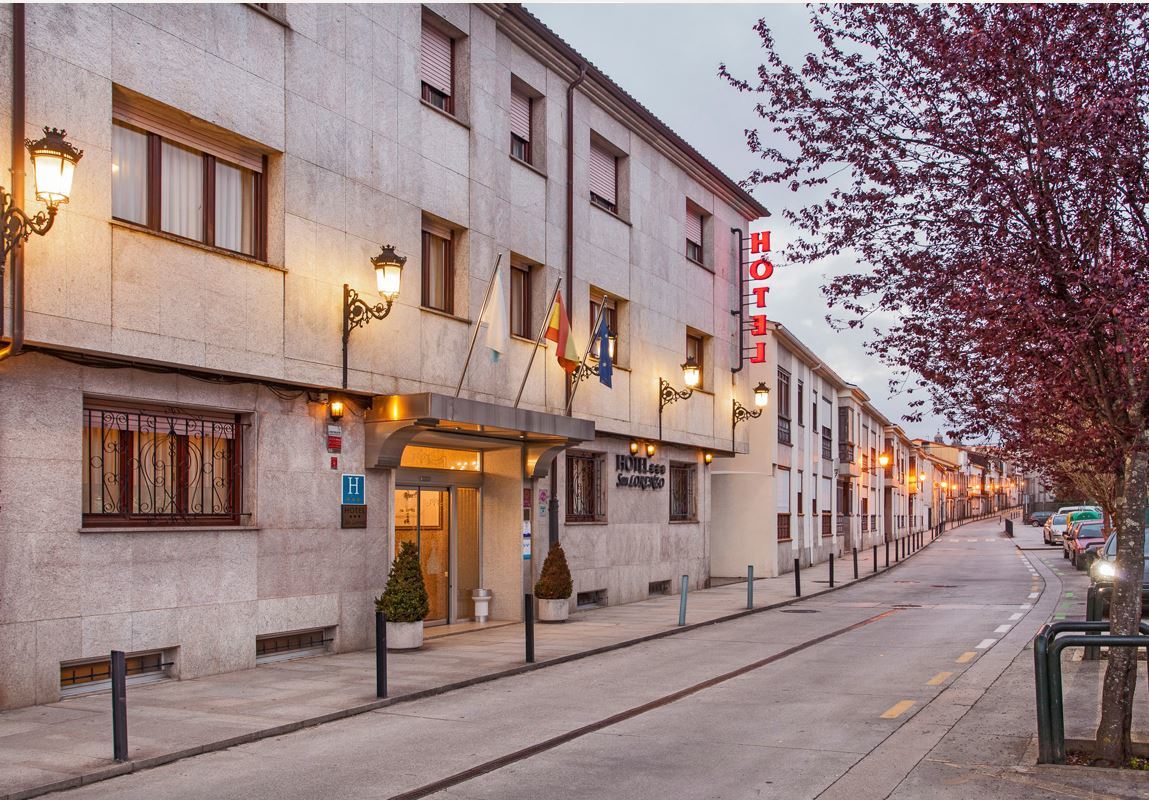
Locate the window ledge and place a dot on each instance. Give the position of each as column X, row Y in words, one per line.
column 446, row 314
column 171, row 237
column 586, row 522
column 682, row 522
column 171, row 529
column 610, row 213
column 446, row 114
column 269, row 14
column 528, row 165
column 702, row 264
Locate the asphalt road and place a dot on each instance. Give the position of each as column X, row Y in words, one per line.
column 836, row 697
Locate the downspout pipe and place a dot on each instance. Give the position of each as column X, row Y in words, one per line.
column 553, row 506
column 18, row 119
column 740, row 312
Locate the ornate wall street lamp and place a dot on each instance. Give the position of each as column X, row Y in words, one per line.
column 585, row 370
column 357, row 312
column 667, row 394
column 741, row 413
column 53, row 166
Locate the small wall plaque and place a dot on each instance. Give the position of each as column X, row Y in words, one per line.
column 354, row 516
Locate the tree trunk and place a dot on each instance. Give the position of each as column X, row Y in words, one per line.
column 1113, row 738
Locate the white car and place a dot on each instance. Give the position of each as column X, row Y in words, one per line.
column 1068, row 509
column 1054, row 531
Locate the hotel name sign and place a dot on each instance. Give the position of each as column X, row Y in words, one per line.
column 640, row 472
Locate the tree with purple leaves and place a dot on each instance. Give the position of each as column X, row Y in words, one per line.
column 986, row 166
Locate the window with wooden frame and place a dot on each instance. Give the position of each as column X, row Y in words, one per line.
column 521, row 322
column 521, row 110
column 603, row 178
column 586, row 495
column 801, row 403
column 610, row 314
column 801, row 495
column 437, row 68
column 438, row 290
column 145, row 466
column 695, row 349
column 179, row 176
column 683, row 490
column 695, row 221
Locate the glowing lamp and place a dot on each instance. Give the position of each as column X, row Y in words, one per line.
column 388, row 271
column 53, row 166
column 884, row 460
column 633, row 447
column 761, row 395
column 691, row 374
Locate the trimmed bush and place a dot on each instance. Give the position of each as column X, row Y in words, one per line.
column 405, row 598
column 555, row 579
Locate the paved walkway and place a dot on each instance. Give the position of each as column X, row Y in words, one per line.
column 50, row 747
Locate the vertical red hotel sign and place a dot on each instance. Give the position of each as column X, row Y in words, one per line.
column 761, row 269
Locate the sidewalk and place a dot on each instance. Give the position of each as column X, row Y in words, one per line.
column 68, row 743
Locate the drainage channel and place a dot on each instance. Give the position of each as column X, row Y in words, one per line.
column 549, row 744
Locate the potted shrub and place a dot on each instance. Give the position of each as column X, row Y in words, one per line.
column 554, row 587
column 404, row 601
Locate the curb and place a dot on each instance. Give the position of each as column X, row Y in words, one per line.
column 138, row 765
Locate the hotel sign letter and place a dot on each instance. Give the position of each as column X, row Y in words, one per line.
column 761, row 270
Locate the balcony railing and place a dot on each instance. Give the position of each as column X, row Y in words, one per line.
column 783, row 430
column 827, row 524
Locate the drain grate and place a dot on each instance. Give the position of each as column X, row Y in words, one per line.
column 799, row 611
column 943, row 586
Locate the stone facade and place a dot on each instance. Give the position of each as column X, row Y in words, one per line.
column 330, row 95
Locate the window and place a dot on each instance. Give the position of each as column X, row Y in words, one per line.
column 814, row 410
column 683, row 507
column 610, row 315
column 827, row 443
column 152, row 467
column 603, row 178
column 521, row 301
column 783, row 526
column 586, row 500
column 801, row 502
column 437, row 68
column 186, row 180
column 801, row 403
column 95, row 674
column 784, row 407
column 282, row 646
column 521, row 109
column 438, row 269
column 827, row 524
column 694, row 224
column 695, row 346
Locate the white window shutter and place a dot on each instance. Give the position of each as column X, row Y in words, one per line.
column 520, row 115
column 603, row 173
column 693, row 227
column 435, row 59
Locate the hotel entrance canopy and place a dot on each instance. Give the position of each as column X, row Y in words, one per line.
column 397, row 420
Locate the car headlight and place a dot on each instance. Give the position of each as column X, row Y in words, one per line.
column 1106, row 569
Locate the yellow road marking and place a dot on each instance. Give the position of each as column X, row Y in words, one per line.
column 898, row 710
column 969, row 655
column 940, row 678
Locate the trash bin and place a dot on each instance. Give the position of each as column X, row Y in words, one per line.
column 482, row 600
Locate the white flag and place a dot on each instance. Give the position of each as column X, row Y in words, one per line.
column 494, row 319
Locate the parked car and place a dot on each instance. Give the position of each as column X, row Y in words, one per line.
column 1054, row 529
column 1071, row 509
column 1038, row 518
column 1104, row 568
column 1082, row 540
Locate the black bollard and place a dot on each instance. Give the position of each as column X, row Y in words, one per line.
column 831, row 570
column 875, row 558
column 119, row 706
column 529, row 622
column 750, row 586
column 855, row 563
column 887, row 553
column 797, row 578
column 380, row 654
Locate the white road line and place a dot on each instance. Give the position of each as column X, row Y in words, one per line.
column 984, row 643
column 1025, row 606
column 1014, row 617
column 1002, row 629
column 1033, row 595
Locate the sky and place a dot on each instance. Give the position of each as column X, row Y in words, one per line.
column 667, row 57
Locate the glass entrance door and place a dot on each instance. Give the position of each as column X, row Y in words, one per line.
column 424, row 517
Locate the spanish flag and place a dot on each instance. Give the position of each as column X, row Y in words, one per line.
column 559, row 332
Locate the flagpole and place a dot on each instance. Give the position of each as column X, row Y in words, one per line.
column 538, row 341
column 589, row 345
column 479, row 324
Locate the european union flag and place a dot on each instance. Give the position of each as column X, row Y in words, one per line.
column 605, row 366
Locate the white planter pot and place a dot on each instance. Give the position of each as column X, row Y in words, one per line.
column 404, row 635
column 554, row 610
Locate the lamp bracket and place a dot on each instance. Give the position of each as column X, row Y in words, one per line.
column 585, row 371
column 667, row 394
column 16, row 226
column 358, row 312
column 742, row 413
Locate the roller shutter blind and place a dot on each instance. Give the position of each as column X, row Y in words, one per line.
column 603, row 173
column 520, row 115
column 435, row 59
column 693, row 227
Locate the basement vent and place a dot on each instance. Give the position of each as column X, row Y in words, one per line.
column 94, row 675
column 294, row 644
column 658, row 587
column 593, row 599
